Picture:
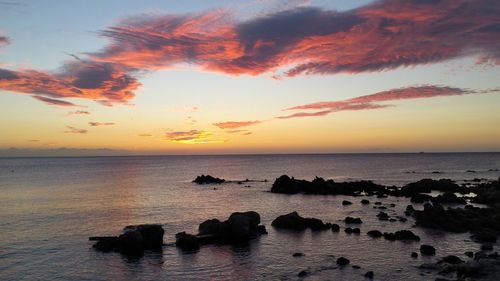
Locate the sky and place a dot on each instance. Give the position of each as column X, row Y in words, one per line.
column 261, row 76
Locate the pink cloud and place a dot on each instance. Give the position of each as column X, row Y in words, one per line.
column 236, row 124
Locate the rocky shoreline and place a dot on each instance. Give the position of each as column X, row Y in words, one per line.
column 452, row 210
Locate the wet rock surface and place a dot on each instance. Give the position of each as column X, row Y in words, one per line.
column 293, row 221
column 208, row 179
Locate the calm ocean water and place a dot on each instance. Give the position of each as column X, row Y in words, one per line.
column 50, row 206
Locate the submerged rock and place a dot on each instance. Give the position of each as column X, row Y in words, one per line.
column 208, row 179
column 365, row 202
column 403, row 235
column 351, row 220
column 335, row 227
column 374, row 233
column 427, row 250
column 343, row 261
column 346, row 203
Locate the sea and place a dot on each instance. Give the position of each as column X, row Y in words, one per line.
column 50, row 206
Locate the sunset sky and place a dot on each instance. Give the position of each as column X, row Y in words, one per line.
column 205, row 77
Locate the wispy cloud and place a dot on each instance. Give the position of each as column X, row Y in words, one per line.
column 56, row 102
column 192, row 137
column 369, row 102
column 97, row 124
column 79, row 112
column 73, row 130
column 4, row 40
column 236, row 124
column 144, row 135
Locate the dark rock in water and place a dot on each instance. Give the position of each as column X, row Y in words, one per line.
column 298, row 255
column 414, row 254
column 365, row 202
column 335, row 227
column 378, row 203
column 351, row 220
column 345, row 203
column 436, row 172
column 356, row 230
column 401, row 219
column 451, row 260
column 287, row 185
column 427, row 250
column 303, row 273
column 487, row 247
column 242, row 226
column 420, row 198
column 369, row 275
column 383, row 216
column 404, row 235
column 317, row 224
column 448, row 198
column 484, row 236
column 187, row 242
column 152, row 235
column 212, row 226
column 428, row 185
column 393, row 220
column 409, row 210
column 469, row 254
column 348, row 230
column 105, row 244
column 343, row 261
column 374, row 233
column 294, row 221
column 392, row 205
column 382, row 208
column 290, row 221
column 131, row 243
column 208, row 179
column 471, row 171
column 262, row 229
column 356, row 266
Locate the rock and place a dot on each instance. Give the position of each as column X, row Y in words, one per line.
column 402, row 235
column 343, row 261
column 335, row 227
column 383, row 216
column 345, row 203
column 469, row 254
column 105, row 244
column 152, row 235
column 290, row 221
column 401, row 219
column 242, row 226
column 374, row 233
column 369, row 275
column 420, row 198
column 484, row 236
column 365, row 202
column 351, row 220
column 294, row 221
column 212, row 226
column 487, row 247
column 131, row 243
column 296, row 255
column 187, row 242
column 356, row 230
column 451, row 260
column 409, row 210
column 303, row 273
column 448, row 198
column 427, row 250
column 317, row 224
column 393, row 220
column 428, row 185
column 261, row 229
column 348, row 230
column 414, row 255
column 378, row 203
column 356, row 266
column 208, row 179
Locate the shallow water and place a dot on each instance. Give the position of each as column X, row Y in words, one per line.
column 50, row 206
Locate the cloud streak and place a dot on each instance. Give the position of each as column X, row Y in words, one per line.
column 55, row 102
column 97, row 124
column 373, row 101
column 73, row 130
column 192, row 137
column 79, row 112
column 236, row 124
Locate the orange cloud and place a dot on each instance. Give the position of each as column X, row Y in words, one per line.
column 191, row 137
column 79, row 112
column 54, row 101
column 96, row 124
column 236, row 125
column 383, row 35
column 73, row 130
column 369, row 102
